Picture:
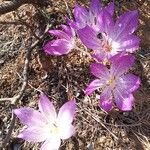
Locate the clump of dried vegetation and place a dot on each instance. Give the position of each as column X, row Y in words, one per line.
column 25, row 70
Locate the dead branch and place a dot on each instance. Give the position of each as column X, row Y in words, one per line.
column 12, row 124
column 68, row 10
column 15, row 4
column 96, row 118
column 15, row 99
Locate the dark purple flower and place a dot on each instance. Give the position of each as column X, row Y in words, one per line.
column 111, row 38
column 64, row 43
column 45, row 125
column 116, row 85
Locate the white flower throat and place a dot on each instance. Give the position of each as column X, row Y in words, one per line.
column 111, row 82
column 53, row 128
column 105, row 44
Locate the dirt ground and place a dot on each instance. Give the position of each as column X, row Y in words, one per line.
column 67, row 76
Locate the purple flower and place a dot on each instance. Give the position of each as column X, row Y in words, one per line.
column 64, row 43
column 116, row 85
column 112, row 38
column 89, row 16
column 45, row 125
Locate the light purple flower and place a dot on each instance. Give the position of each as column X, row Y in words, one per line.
column 64, row 43
column 116, row 85
column 112, row 38
column 45, row 125
column 84, row 16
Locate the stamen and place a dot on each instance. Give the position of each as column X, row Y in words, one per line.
column 111, row 82
column 105, row 43
column 54, row 129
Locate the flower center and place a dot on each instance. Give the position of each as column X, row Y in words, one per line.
column 54, row 129
column 111, row 82
column 106, row 46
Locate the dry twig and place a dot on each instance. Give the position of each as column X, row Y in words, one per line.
column 68, row 9
column 15, row 99
column 99, row 121
column 15, row 4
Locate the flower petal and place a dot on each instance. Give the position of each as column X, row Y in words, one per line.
column 128, row 82
column 30, row 117
column 47, row 108
column 105, row 22
column 117, row 56
column 72, row 24
column 66, row 131
column 130, row 43
column 51, row 144
column 81, row 15
column 59, row 34
column 58, row 47
column 92, row 42
column 68, row 30
column 99, row 70
column 94, row 85
column 121, row 64
column 67, row 112
column 95, row 6
column 106, row 105
column 110, row 8
column 123, row 101
column 99, row 56
column 106, row 100
column 126, row 24
column 34, row 134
